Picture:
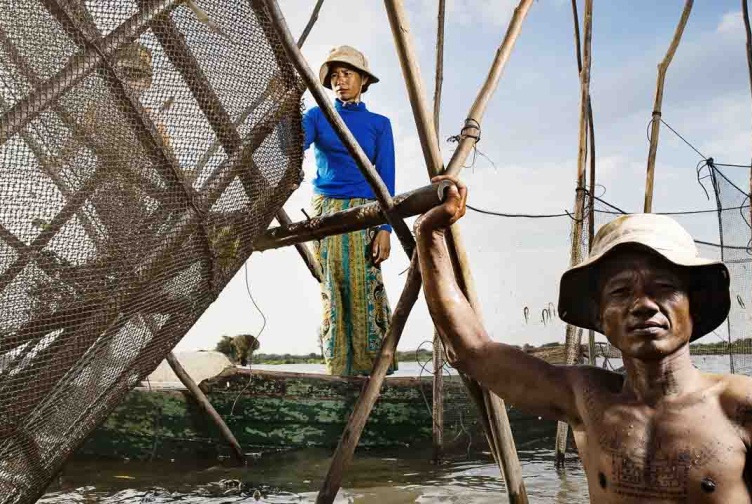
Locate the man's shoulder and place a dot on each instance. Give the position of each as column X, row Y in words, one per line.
column 736, row 398
column 735, row 389
column 595, row 379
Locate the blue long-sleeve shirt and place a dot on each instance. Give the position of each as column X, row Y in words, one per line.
column 337, row 175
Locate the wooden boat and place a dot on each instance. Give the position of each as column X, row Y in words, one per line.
column 272, row 410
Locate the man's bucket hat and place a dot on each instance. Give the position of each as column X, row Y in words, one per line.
column 657, row 234
column 349, row 56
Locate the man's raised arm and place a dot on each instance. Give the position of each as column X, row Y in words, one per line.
column 522, row 380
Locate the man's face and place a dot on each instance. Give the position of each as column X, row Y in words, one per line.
column 346, row 82
column 644, row 304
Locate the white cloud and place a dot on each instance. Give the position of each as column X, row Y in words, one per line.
column 731, row 24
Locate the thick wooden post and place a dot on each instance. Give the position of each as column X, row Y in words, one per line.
column 491, row 408
column 572, row 343
column 655, row 127
column 205, row 405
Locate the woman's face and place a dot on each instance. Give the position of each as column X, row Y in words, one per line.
column 346, row 82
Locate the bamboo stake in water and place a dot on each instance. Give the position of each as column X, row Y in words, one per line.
column 205, row 405
column 572, row 344
column 656, row 124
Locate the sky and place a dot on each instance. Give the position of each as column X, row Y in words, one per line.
column 527, row 157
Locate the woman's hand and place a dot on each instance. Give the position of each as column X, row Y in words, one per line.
column 440, row 217
column 381, row 246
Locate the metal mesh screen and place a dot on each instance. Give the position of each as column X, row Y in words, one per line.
column 144, row 145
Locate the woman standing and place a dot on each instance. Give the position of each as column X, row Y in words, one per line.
column 356, row 309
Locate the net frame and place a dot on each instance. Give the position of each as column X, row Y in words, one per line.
column 65, row 367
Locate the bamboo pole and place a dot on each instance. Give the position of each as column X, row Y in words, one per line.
column 571, row 343
column 655, row 127
column 748, row 32
column 365, row 216
column 439, row 79
column 311, row 21
column 346, row 137
column 205, row 405
column 351, row 435
column 492, row 409
column 470, row 133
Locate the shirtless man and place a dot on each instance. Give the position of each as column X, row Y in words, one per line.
column 665, row 432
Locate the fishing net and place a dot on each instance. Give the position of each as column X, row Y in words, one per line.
column 144, row 145
column 732, row 246
column 724, row 234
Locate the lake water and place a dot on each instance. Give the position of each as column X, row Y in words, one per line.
column 383, row 476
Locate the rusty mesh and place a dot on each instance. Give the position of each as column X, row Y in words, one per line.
column 144, row 145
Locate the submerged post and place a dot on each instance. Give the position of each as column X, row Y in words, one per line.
column 655, row 126
column 205, row 405
column 572, row 344
column 491, row 408
column 362, row 409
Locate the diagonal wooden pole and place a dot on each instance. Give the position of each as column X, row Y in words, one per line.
column 470, row 133
column 655, row 127
column 362, row 409
column 491, row 408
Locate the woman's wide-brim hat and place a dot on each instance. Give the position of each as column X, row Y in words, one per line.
column 349, row 56
column 656, row 234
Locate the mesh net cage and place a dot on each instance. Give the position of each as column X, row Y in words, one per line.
column 144, row 145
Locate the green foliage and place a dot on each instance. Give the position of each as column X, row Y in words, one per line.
column 741, row 346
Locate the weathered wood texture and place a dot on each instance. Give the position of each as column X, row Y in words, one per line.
column 361, row 217
column 201, row 399
column 655, row 127
column 572, row 333
column 270, row 410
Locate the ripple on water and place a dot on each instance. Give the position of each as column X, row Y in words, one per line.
column 295, row 478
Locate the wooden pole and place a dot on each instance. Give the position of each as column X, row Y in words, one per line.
column 204, row 403
column 311, row 21
column 365, row 216
column 748, row 32
column 437, row 410
column 572, row 345
column 346, row 137
column 351, row 435
column 591, row 144
column 656, row 121
column 491, row 409
column 471, row 132
column 439, row 79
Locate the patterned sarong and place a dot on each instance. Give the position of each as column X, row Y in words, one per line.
column 356, row 310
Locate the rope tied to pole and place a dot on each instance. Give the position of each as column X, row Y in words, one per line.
column 470, row 125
